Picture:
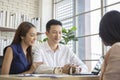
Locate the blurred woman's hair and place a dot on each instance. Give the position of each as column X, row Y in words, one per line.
column 109, row 29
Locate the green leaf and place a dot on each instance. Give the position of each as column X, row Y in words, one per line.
column 64, row 30
column 73, row 28
column 45, row 39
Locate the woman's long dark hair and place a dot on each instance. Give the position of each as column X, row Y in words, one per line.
column 109, row 30
column 21, row 31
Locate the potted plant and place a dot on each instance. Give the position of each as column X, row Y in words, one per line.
column 68, row 35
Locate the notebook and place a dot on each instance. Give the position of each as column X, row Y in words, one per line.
column 96, row 70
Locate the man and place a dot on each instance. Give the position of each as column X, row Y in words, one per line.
column 58, row 58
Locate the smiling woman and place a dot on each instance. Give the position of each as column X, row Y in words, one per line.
column 18, row 55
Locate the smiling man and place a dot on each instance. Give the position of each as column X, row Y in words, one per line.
column 57, row 58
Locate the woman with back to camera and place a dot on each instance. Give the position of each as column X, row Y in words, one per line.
column 18, row 55
column 109, row 32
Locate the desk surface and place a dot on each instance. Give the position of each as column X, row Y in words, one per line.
column 59, row 77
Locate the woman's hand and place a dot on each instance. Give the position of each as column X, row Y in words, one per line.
column 33, row 67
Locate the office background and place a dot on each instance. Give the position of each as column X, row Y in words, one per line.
column 85, row 15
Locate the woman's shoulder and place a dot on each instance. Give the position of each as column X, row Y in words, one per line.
column 115, row 48
column 7, row 49
column 116, row 45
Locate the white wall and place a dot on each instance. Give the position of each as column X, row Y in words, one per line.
column 27, row 7
column 32, row 8
column 45, row 12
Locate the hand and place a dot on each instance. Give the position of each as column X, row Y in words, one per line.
column 71, row 68
column 76, row 69
column 66, row 68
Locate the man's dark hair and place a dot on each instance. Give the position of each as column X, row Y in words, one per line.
column 52, row 22
column 109, row 30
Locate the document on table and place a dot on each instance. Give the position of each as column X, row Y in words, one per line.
column 42, row 75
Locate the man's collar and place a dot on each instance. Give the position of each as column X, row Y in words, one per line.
column 48, row 47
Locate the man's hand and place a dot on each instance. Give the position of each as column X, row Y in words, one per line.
column 66, row 68
column 76, row 69
column 71, row 68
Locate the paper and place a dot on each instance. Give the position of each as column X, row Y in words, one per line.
column 42, row 75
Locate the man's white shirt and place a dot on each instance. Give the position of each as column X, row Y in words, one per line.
column 63, row 55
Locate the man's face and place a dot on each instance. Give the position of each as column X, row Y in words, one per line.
column 55, row 33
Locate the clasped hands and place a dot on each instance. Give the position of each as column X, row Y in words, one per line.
column 68, row 69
